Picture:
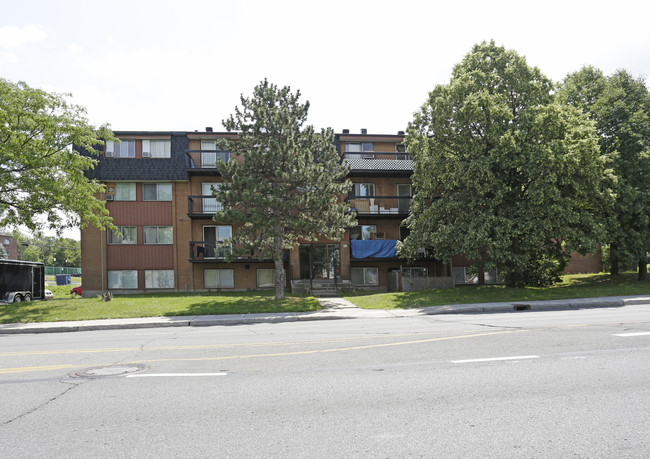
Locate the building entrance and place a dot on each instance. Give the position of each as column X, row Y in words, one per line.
column 320, row 261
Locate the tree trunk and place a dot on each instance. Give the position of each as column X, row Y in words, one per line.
column 280, row 278
column 643, row 268
column 613, row 258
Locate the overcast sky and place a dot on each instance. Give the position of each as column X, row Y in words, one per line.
column 182, row 65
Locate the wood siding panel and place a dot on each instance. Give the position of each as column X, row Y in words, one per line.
column 134, row 213
column 140, row 257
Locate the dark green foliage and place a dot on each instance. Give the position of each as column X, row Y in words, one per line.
column 503, row 174
column 284, row 182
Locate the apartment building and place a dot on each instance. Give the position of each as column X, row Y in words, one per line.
column 158, row 191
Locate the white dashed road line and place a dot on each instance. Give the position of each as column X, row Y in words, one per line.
column 165, row 375
column 633, row 334
column 494, row 359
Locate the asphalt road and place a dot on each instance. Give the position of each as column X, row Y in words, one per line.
column 526, row 384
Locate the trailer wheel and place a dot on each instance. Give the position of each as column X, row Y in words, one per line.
column 28, row 297
column 18, row 299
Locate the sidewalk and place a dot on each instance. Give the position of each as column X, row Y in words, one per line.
column 333, row 308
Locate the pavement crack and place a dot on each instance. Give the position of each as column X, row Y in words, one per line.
column 44, row 404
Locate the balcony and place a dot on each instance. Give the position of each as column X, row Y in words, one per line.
column 377, row 249
column 206, row 159
column 204, row 206
column 375, row 162
column 218, row 252
column 380, row 206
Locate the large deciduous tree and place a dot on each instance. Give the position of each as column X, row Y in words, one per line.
column 284, row 181
column 42, row 183
column 502, row 173
column 620, row 107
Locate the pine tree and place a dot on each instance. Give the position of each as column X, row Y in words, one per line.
column 284, row 182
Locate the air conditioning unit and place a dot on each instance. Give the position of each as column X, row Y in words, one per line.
column 109, row 154
column 109, row 197
column 146, row 154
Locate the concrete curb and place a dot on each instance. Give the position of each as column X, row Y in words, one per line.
column 345, row 311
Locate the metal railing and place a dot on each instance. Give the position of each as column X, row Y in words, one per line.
column 214, row 251
column 202, row 205
column 206, row 159
column 380, row 205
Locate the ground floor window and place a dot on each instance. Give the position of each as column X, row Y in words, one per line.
column 122, row 279
column 266, row 277
column 159, row 278
column 415, row 272
column 364, row 276
column 218, row 278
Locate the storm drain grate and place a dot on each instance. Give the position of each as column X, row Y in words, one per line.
column 521, row 307
column 110, row 371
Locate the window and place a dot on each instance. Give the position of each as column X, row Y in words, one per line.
column 363, row 232
column 400, row 148
column 123, row 235
column 210, row 154
column 266, row 277
column 125, row 191
column 157, row 191
column 364, row 276
column 160, row 278
column 123, row 149
column 218, row 278
column 359, row 147
column 156, row 148
column 364, row 189
column 123, row 279
column 462, row 275
column 210, row 205
column 158, row 235
column 415, row 272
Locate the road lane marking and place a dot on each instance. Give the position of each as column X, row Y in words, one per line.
column 279, row 354
column 209, row 346
column 165, row 375
column 633, row 334
column 495, row 359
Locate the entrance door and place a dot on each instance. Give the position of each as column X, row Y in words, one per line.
column 319, row 261
column 404, row 198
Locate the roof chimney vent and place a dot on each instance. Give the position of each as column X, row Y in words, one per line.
column 400, row 132
column 208, row 129
column 364, row 131
column 346, row 131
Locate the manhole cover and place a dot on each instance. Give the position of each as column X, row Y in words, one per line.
column 110, row 371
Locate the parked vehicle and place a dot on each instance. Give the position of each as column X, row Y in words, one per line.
column 76, row 291
column 48, row 295
column 21, row 281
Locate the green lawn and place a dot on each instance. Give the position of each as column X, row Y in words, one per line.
column 150, row 305
column 572, row 286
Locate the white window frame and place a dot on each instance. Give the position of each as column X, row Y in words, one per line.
column 156, row 148
column 365, row 269
column 159, row 278
column 114, row 239
column 210, row 205
column 121, row 189
column 116, row 149
column 159, row 235
column 265, row 271
column 221, row 278
column 116, row 278
column 158, row 191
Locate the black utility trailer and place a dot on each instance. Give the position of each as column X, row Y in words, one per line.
column 21, row 281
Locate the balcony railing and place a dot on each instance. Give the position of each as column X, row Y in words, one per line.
column 380, row 205
column 218, row 252
column 201, row 206
column 206, row 159
column 378, row 161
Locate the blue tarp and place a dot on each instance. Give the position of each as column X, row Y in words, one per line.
column 374, row 249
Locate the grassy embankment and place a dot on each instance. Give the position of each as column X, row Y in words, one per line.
column 572, row 286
